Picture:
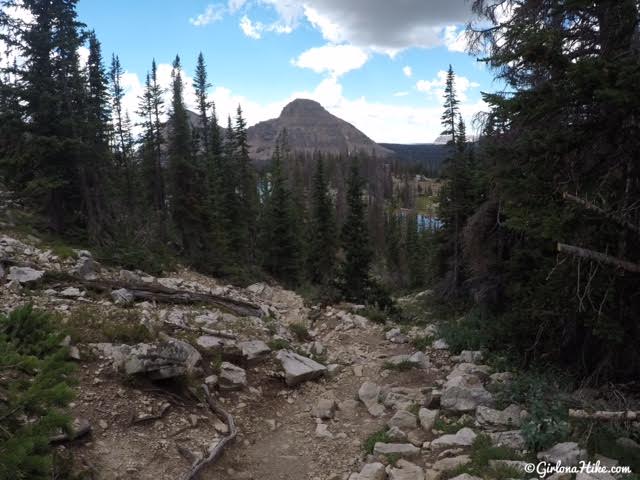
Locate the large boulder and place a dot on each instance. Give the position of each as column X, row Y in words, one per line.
column 464, row 393
column 298, row 369
column 24, row 274
column 166, row 359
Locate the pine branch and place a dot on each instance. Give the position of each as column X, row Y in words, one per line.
column 599, row 257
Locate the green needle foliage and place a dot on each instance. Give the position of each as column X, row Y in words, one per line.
column 35, row 379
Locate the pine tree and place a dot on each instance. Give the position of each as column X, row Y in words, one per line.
column 247, row 191
column 356, row 249
column 151, row 109
column 281, row 240
column 451, row 108
column 187, row 185
column 201, row 85
column 322, row 230
column 54, row 103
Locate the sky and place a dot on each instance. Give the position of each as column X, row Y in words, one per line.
column 378, row 64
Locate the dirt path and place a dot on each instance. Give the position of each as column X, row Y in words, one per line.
column 279, row 440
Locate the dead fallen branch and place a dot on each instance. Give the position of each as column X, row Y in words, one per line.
column 604, row 415
column 602, row 212
column 155, row 292
column 599, row 257
column 151, row 417
column 215, row 451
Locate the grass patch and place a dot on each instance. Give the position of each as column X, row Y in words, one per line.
column 376, row 437
column 91, row 325
column 422, row 342
column 482, row 451
column 63, row 251
column 545, row 397
column 278, row 344
column 300, row 331
column 446, row 425
column 374, row 314
column 400, row 367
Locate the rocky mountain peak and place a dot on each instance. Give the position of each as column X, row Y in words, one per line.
column 310, row 127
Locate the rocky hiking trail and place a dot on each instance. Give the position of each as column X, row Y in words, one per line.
column 316, row 393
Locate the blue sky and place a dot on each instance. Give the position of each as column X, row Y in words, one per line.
column 376, row 63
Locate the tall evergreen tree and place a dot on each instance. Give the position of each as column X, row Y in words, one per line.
column 356, row 248
column 451, row 106
column 281, row 240
column 201, row 85
column 187, row 192
column 246, row 189
column 322, row 229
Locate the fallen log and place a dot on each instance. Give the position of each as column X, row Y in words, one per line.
column 604, row 415
column 158, row 293
column 215, row 451
column 599, row 257
column 601, row 211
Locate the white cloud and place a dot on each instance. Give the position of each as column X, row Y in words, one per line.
column 235, row 5
column 250, row 29
column 408, row 71
column 455, row 39
column 255, row 29
column 401, row 94
column 212, row 13
column 435, row 87
column 333, row 59
column 83, row 54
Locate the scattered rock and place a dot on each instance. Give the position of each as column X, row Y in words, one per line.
column 509, row 417
column 130, row 277
column 450, row 463
column 369, row 394
column 71, row 292
column 167, row 359
column 86, row 267
column 322, row 431
column 406, row 471
column 403, row 420
column 79, row 428
column 440, row 344
column 568, row 453
column 396, row 336
column 512, row 439
column 465, row 393
column 254, row 351
column 232, row 377
column 470, row 356
column 466, row 476
column 511, row 464
column 396, row 435
column 372, row 471
column 400, row 450
column 299, row 369
column 463, row 438
column 122, row 296
column 427, row 418
column 24, row 274
column 325, row 409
